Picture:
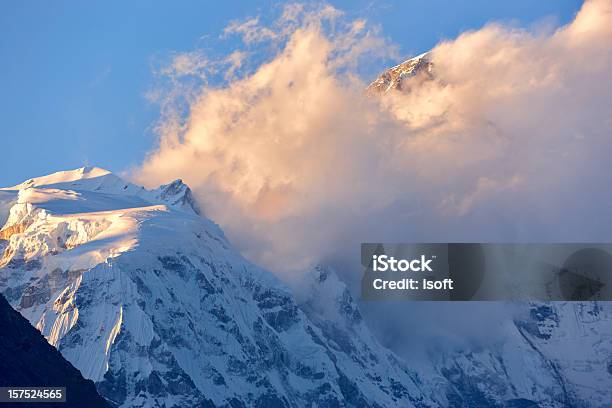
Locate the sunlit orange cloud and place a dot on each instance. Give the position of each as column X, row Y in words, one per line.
column 509, row 141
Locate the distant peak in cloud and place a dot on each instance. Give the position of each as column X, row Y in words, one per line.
column 403, row 75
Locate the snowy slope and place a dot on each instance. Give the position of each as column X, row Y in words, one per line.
column 149, row 299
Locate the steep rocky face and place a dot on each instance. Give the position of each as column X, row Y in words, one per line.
column 329, row 305
column 151, row 302
column 26, row 359
column 178, row 194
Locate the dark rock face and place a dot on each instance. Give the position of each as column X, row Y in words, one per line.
column 542, row 319
column 26, row 359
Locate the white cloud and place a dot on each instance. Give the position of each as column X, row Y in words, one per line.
column 511, row 142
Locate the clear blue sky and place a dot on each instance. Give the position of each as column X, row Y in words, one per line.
column 73, row 74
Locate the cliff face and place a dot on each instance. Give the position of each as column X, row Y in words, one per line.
column 27, row 359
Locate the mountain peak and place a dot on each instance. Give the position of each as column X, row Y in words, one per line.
column 86, row 180
column 66, row 176
column 178, row 194
column 396, row 77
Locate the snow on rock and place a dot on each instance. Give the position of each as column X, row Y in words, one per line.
column 178, row 195
column 329, row 305
column 402, row 76
column 556, row 355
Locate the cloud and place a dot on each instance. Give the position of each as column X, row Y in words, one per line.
column 185, row 64
column 265, row 150
column 250, row 30
column 510, row 142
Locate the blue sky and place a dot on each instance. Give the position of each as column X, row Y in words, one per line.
column 74, row 75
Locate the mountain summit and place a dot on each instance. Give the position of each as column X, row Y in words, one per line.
column 176, row 195
column 402, row 76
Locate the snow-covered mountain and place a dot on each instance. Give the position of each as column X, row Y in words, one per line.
column 148, row 299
